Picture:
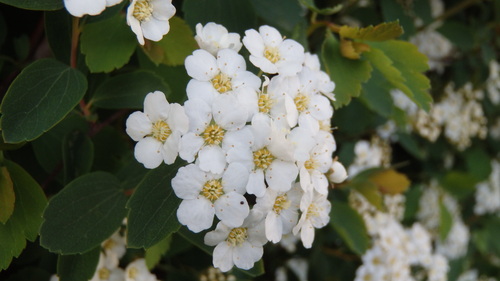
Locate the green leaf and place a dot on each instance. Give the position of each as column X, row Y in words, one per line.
column 381, row 32
column 326, row 11
column 393, row 10
column 110, row 149
column 58, row 25
column 85, row 213
column 152, row 208
column 410, row 144
column 78, row 267
column 445, row 221
column 107, row 44
column 410, row 63
column 22, row 47
column 236, row 16
column 154, row 253
column 282, row 14
column 7, row 195
column 174, row 47
column 78, row 155
column 478, row 163
column 128, row 90
column 458, row 184
column 370, row 191
column 26, row 218
column 458, row 33
column 347, row 74
column 412, row 202
column 350, row 226
column 376, row 95
column 39, row 98
column 35, row 4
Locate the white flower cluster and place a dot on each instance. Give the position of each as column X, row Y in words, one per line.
column 457, row 240
column 396, row 249
column 472, row 275
column 108, row 269
column 147, row 18
column 488, row 192
column 370, row 154
column 242, row 138
column 493, row 83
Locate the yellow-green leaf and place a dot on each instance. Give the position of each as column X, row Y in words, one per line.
column 391, row 182
column 381, row 32
column 352, row 50
column 7, row 195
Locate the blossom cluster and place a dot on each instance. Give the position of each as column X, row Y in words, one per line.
column 488, row 192
column 147, row 18
column 259, row 149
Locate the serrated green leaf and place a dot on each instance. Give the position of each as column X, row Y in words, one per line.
column 26, row 219
column 175, row 46
column 445, row 221
column 376, row 95
column 410, row 63
column 39, row 98
column 458, row 184
column 152, row 208
column 128, row 90
column 381, row 32
column 350, row 226
column 7, row 195
column 236, row 16
column 78, row 267
column 78, row 155
column 326, row 11
column 107, row 44
column 154, row 253
column 44, row 5
column 347, row 74
column 84, row 214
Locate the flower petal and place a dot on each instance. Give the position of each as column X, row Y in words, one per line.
column 223, row 257
column 245, row 255
column 197, row 214
column 189, row 146
column 156, row 106
column 148, row 151
column 235, row 178
column 212, row 158
column 274, row 227
column 256, row 184
column 232, row 209
column 188, row 182
column 281, row 174
column 201, row 65
column 138, row 125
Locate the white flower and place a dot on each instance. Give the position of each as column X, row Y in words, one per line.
column 205, row 194
column 107, row 270
column 280, row 212
column 214, row 37
column 271, row 53
column 114, row 247
column 240, row 246
column 149, row 18
column 78, row 8
column 157, row 130
column 315, row 210
column 138, row 271
column 338, row 172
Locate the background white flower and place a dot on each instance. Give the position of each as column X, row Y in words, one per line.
column 214, row 37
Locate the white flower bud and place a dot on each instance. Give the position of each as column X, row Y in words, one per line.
column 337, row 173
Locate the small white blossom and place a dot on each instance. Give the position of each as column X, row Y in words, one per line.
column 149, row 18
column 214, row 37
column 315, row 210
column 79, row 8
column 157, row 130
column 138, row 271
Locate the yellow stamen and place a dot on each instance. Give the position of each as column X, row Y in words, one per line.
column 161, row 130
column 272, row 54
column 212, row 190
column 301, row 101
column 213, row 134
column 281, row 203
column 222, row 83
column 237, row 236
column 265, row 103
column 262, row 158
column 142, row 10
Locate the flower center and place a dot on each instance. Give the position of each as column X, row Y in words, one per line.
column 212, row 190
column 161, row 130
column 132, row 273
column 222, row 83
column 265, row 103
column 262, row 158
column 312, row 211
column 142, row 10
column 213, row 134
column 301, row 101
column 103, row 273
column 311, row 164
column 109, row 244
column 237, row 236
column 272, row 54
column 281, row 203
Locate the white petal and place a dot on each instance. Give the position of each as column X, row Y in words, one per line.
column 148, row 151
column 163, row 9
column 156, row 106
column 232, row 209
column 256, row 184
column 201, row 65
column 79, row 8
column 240, row 139
column 320, row 108
column 138, row 125
column 177, row 118
column 197, row 214
column 171, row 148
column 188, row 182
column 308, row 122
column 319, row 182
column 223, row 257
column 246, row 255
column 274, row 227
column 264, row 64
column 199, row 114
column 289, row 219
column 339, row 173
column 292, row 114
column 270, row 35
column 218, row 235
column 253, row 42
column 204, row 90
column 307, row 235
column 212, row 159
column 154, row 28
column 281, row 174
column 305, row 179
column 235, row 178
column 110, row 3
column 261, row 130
column 228, row 113
column 189, row 146
column 134, row 24
column 230, row 62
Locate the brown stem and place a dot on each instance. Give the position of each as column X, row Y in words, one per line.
column 340, row 254
column 317, row 24
column 98, row 127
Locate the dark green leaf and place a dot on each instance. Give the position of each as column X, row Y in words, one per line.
column 283, row 14
column 236, row 16
column 153, row 208
column 154, row 254
column 7, row 195
column 347, row 74
column 350, row 226
column 85, row 213
column 478, row 163
column 412, row 202
column 376, row 94
column 393, row 10
column 445, row 221
column 22, row 47
column 58, row 32
column 39, row 98
column 26, row 218
column 107, row 44
column 459, row 184
column 35, row 4
column 78, row 155
column 131, row 173
column 458, row 33
column 326, row 11
column 78, row 267
column 410, row 144
column 110, row 149
column 128, row 90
